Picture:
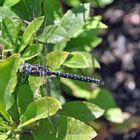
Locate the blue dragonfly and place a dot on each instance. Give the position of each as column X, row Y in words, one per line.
column 41, row 70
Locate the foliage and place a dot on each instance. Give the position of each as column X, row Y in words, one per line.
column 28, row 111
column 95, row 3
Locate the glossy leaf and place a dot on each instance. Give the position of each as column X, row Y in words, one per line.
column 74, row 20
column 70, row 26
column 72, row 129
column 53, row 34
column 104, row 99
column 39, row 109
column 32, row 51
column 30, row 31
column 56, row 58
column 67, row 129
column 8, row 80
column 79, row 60
column 84, row 111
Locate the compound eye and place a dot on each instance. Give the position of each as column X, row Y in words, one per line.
column 22, row 68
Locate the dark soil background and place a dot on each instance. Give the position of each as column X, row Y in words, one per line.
column 120, row 58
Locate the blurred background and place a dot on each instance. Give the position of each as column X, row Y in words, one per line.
column 120, row 59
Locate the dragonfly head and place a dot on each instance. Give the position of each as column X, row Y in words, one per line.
column 25, row 68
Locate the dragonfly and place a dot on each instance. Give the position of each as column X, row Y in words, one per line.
column 28, row 69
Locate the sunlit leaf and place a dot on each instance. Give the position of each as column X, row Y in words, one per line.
column 95, row 23
column 74, row 19
column 84, row 111
column 30, row 31
column 72, row 129
column 3, row 136
column 67, row 129
column 39, row 109
column 56, row 58
column 104, row 99
column 79, row 60
column 8, row 80
column 32, row 51
column 53, row 34
column 100, row 3
column 114, row 115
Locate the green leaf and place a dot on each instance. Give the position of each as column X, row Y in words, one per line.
column 9, row 32
column 79, row 60
column 104, row 99
column 8, row 80
column 101, row 3
column 78, row 90
column 10, row 3
column 39, row 109
column 6, row 12
column 96, row 63
column 32, row 51
column 24, row 136
column 28, row 90
column 6, row 44
column 22, row 92
column 45, row 130
column 67, row 129
column 3, row 136
column 53, row 34
column 84, row 42
column 28, row 9
column 72, row 129
column 95, row 23
column 83, row 111
column 114, row 115
column 70, row 26
column 72, row 3
column 74, row 19
column 30, row 31
column 52, row 10
column 56, row 58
